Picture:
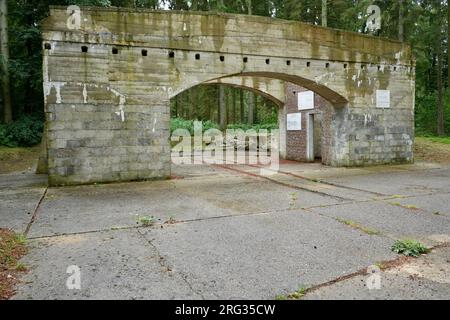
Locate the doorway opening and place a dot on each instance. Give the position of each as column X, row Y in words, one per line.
column 314, row 137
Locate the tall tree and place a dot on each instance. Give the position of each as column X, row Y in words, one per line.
column 439, row 69
column 222, row 107
column 249, row 7
column 401, row 31
column 251, row 108
column 324, row 13
column 241, row 105
column 194, row 5
column 4, row 43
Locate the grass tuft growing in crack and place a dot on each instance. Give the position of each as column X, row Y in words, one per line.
column 294, row 198
column 410, row 248
column 405, row 206
column 359, row 227
column 297, row 295
column 146, row 221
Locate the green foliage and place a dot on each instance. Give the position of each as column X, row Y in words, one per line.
column 444, row 140
column 425, row 27
column 410, row 248
column 146, row 221
column 25, row 132
column 426, row 113
column 256, row 127
column 179, row 123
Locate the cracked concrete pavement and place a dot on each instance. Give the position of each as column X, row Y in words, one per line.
column 227, row 233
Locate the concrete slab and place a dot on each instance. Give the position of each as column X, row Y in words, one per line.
column 236, row 236
column 17, row 207
column 114, row 265
column 393, row 221
column 425, row 278
column 22, row 180
column 19, row 195
column 437, row 204
column 102, row 207
column 261, row 256
column 412, row 182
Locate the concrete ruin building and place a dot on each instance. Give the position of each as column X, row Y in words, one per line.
column 109, row 75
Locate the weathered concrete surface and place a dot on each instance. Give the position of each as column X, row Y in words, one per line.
column 114, row 265
column 235, row 235
column 426, row 278
column 107, row 100
column 19, row 195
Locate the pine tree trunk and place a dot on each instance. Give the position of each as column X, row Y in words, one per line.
column 440, row 87
column 194, row 6
column 324, row 13
column 251, row 108
column 222, row 107
column 249, row 7
column 176, row 107
column 440, row 84
column 190, row 104
column 227, row 106
column 180, row 105
column 234, row 105
column 401, row 31
column 7, row 108
column 241, row 105
column 255, row 117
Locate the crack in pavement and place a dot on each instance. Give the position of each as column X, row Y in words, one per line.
column 289, row 209
column 163, row 262
column 35, row 212
column 386, row 265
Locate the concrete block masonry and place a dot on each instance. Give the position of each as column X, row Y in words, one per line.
column 107, row 103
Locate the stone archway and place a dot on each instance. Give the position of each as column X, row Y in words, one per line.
column 108, row 83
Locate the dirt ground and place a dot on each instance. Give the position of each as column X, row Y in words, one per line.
column 18, row 159
column 12, row 248
column 431, row 151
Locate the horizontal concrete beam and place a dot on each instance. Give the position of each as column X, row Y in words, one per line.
column 227, row 33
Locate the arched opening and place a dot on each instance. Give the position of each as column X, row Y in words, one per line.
column 226, row 104
column 277, row 101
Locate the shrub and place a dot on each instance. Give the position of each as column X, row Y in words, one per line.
column 25, row 132
column 256, row 127
column 179, row 123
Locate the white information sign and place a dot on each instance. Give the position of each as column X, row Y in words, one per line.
column 383, row 99
column 294, row 121
column 306, row 100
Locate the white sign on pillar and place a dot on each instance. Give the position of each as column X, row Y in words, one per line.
column 306, row 100
column 294, row 122
column 383, row 99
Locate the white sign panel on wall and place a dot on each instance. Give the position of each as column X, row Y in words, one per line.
column 294, row 122
column 383, row 99
column 306, row 100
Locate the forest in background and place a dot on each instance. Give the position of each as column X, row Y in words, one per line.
column 422, row 23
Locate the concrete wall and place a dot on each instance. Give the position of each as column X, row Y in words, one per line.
column 107, row 109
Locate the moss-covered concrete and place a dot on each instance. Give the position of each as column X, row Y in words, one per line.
column 108, row 108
